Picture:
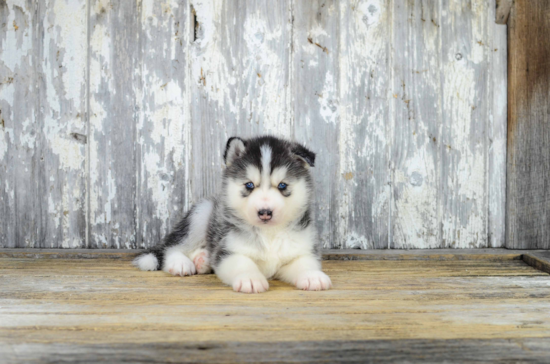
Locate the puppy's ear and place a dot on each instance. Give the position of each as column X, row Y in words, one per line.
column 304, row 154
column 234, row 149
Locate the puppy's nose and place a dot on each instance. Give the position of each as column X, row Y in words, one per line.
column 265, row 214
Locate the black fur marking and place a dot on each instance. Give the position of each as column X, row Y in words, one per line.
column 246, row 192
column 285, row 193
column 220, row 254
column 305, row 220
column 304, row 153
column 291, row 155
column 228, row 145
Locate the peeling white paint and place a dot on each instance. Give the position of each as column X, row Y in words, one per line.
column 328, row 100
column 341, row 83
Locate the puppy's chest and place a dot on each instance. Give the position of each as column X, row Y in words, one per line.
column 272, row 252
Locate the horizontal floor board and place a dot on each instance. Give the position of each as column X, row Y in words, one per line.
column 532, row 350
column 102, row 309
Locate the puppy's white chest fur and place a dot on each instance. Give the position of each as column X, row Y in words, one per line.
column 270, row 250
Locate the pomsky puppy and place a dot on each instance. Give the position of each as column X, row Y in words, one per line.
column 259, row 227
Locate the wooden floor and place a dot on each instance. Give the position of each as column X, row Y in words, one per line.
column 386, row 310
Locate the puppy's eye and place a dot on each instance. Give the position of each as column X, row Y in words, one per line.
column 282, row 186
column 249, row 186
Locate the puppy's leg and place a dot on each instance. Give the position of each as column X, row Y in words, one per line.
column 305, row 273
column 242, row 274
column 177, row 263
column 201, row 259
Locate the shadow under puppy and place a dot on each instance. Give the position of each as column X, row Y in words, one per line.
column 259, row 227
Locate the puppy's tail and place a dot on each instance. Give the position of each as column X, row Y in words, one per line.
column 151, row 259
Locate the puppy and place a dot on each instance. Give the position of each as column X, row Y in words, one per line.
column 259, row 227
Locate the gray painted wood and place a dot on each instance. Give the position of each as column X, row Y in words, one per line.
column 239, row 81
column 497, row 89
column 116, row 115
column 315, row 103
column 528, row 172
column 21, row 166
column 464, row 144
column 361, row 182
column 417, row 115
column 114, row 85
column 448, row 126
column 163, row 127
column 62, row 91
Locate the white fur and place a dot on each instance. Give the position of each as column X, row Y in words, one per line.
column 276, row 250
column 201, row 260
column 265, row 150
column 240, row 272
column 305, row 273
column 267, row 196
column 179, row 259
column 177, row 263
column 146, row 262
column 280, row 253
column 198, row 226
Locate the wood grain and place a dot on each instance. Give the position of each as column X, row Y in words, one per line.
column 538, row 259
column 416, row 126
column 497, row 94
column 528, row 165
column 62, row 89
column 328, row 254
column 464, row 144
column 79, row 305
column 163, row 125
column 240, row 81
column 20, row 128
column 316, row 104
column 114, row 88
column 115, row 116
column 361, row 181
column 503, row 11
column 530, row 350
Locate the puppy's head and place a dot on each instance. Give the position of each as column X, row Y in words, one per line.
column 267, row 181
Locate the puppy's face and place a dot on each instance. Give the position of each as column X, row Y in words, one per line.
column 267, row 180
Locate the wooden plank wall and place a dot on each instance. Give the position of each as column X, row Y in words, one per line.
column 528, row 205
column 115, row 115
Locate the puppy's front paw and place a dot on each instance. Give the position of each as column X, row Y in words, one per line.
column 179, row 265
column 250, row 283
column 313, row 281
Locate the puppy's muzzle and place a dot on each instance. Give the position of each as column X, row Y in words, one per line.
column 265, row 215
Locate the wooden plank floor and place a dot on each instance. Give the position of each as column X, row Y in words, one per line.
column 385, row 310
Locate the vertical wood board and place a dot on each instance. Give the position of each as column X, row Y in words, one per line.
column 62, row 92
column 528, row 164
column 163, row 127
column 114, row 84
column 315, row 103
column 361, row 181
column 20, row 127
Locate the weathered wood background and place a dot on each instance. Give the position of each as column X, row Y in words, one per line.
column 114, row 115
column 528, row 166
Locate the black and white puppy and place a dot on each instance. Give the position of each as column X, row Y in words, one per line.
column 259, row 227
